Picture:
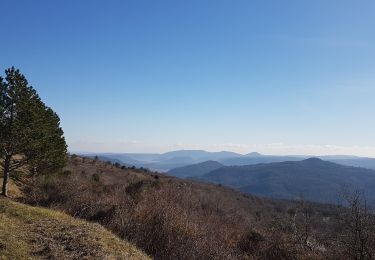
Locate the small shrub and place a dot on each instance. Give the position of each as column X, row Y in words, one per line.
column 251, row 242
column 67, row 172
column 117, row 165
column 96, row 177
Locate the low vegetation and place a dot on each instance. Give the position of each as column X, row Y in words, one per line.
column 36, row 233
column 170, row 218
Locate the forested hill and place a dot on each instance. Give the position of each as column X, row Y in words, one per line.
column 195, row 170
column 313, row 178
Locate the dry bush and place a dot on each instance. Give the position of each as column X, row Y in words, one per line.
column 156, row 220
column 174, row 219
column 358, row 238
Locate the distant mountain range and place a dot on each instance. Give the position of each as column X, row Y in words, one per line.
column 313, row 179
column 195, row 170
column 170, row 160
column 317, row 179
column 166, row 161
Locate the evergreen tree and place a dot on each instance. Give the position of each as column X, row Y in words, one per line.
column 30, row 132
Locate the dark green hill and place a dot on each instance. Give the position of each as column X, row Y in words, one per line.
column 195, row 170
column 314, row 179
column 363, row 162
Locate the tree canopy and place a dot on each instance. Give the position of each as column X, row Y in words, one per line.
column 30, row 132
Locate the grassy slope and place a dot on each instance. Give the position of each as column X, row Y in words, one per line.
column 36, row 233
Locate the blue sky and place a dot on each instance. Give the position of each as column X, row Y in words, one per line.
column 278, row 77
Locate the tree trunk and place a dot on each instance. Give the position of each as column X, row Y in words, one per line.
column 6, row 176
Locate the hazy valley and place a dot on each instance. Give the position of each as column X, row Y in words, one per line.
column 174, row 159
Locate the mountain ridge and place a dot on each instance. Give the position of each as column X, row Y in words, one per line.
column 165, row 162
column 313, row 178
column 195, row 170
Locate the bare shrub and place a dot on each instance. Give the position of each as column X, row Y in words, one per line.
column 358, row 238
column 176, row 219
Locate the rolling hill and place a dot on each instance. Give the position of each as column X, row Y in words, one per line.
column 248, row 160
column 167, row 161
column 172, row 218
column 195, row 170
column 363, row 162
column 314, row 179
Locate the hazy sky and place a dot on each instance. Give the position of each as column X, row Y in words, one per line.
column 277, row 77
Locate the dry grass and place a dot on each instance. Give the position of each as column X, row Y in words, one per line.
column 14, row 189
column 36, row 233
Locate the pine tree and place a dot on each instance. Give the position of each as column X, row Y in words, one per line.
column 30, row 132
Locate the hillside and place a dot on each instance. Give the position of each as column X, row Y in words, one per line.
column 256, row 159
column 171, row 218
column 195, row 170
column 36, row 233
column 314, row 179
column 363, row 162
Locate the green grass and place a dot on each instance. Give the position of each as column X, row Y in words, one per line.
column 36, row 233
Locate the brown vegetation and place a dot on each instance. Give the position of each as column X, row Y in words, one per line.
column 35, row 233
column 171, row 218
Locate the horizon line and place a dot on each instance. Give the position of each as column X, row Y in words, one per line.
column 227, row 151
